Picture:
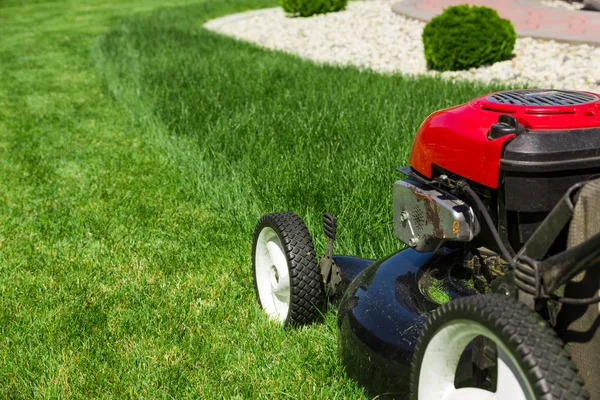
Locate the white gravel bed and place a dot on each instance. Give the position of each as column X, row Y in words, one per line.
column 369, row 35
column 562, row 4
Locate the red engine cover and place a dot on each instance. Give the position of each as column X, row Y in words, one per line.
column 456, row 139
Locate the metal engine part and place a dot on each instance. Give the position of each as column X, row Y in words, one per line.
column 425, row 216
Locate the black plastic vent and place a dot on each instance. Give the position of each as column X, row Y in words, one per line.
column 542, row 98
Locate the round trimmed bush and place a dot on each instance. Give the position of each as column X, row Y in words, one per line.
column 463, row 37
column 306, row 8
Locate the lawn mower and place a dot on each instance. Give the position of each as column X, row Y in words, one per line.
column 495, row 295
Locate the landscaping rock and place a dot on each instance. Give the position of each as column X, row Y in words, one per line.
column 370, row 36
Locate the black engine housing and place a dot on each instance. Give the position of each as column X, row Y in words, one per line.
column 537, row 169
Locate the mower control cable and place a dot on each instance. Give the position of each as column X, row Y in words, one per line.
column 576, row 302
column 464, row 186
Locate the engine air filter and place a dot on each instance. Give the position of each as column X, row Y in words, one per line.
column 541, row 98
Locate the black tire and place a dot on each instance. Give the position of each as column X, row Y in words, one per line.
column 531, row 342
column 307, row 295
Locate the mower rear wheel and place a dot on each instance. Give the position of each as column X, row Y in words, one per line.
column 531, row 362
column 287, row 277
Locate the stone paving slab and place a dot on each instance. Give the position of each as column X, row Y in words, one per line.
column 530, row 17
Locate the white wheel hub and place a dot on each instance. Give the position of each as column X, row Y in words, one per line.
column 272, row 275
column 441, row 358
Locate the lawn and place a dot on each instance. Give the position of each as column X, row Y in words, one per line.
column 137, row 151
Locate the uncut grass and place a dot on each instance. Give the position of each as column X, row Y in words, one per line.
column 289, row 134
column 134, row 166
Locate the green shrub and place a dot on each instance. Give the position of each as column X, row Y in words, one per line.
column 464, row 37
column 306, row 8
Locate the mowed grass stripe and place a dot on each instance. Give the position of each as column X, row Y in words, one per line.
column 134, row 165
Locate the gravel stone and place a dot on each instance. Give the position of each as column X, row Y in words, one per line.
column 367, row 34
column 563, row 4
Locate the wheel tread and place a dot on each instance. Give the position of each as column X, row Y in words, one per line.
column 307, row 290
column 545, row 360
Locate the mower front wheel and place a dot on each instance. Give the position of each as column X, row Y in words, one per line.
column 287, row 277
column 530, row 360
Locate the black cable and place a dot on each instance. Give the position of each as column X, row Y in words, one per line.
column 577, row 302
column 464, row 186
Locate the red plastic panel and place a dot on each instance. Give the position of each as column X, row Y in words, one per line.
column 456, row 139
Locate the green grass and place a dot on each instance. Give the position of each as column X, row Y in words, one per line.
column 137, row 150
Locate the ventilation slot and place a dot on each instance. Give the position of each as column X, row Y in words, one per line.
column 542, row 98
